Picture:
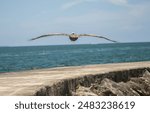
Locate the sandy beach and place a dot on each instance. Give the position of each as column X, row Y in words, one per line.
column 67, row 80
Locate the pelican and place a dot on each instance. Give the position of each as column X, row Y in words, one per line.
column 73, row 36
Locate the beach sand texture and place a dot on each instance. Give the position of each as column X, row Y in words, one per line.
column 64, row 80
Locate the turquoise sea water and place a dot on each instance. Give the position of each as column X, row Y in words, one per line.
column 36, row 57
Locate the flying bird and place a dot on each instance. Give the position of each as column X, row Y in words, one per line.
column 73, row 36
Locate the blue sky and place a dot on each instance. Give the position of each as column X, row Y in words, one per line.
column 121, row 20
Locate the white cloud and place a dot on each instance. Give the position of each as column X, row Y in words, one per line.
column 119, row 2
column 74, row 3
column 71, row 4
column 131, row 19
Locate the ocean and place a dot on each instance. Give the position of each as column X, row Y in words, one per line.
column 14, row 59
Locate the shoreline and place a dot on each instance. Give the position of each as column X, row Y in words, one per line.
column 62, row 80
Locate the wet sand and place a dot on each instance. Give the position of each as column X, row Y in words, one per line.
column 65, row 80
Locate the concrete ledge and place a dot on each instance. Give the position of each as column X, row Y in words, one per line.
column 60, row 81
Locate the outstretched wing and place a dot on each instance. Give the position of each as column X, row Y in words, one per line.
column 54, row 34
column 92, row 35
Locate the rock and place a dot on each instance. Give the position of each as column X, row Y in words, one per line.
column 83, row 91
column 135, row 86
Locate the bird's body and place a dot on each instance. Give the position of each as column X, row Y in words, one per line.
column 73, row 36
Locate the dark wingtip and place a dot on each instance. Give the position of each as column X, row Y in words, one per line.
column 117, row 42
column 30, row 39
column 34, row 38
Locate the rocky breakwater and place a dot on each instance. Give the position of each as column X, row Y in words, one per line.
column 130, row 78
column 135, row 86
column 130, row 82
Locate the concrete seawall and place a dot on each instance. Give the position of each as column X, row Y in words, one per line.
column 61, row 81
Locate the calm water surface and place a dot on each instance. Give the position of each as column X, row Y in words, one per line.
column 35, row 57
